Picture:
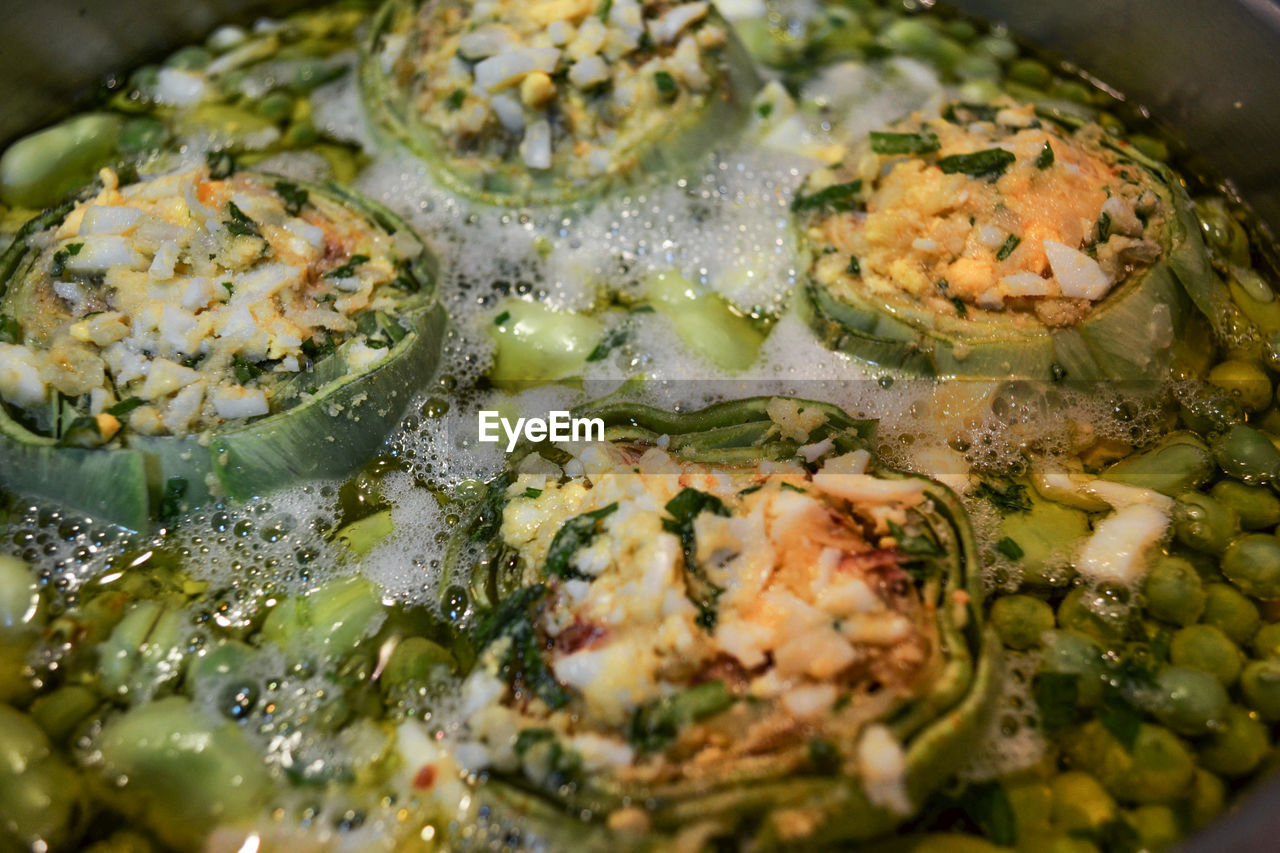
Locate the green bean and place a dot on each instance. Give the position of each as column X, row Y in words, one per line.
column 19, row 597
column 1070, row 653
column 59, row 713
column 1252, row 563
column 1189, row 701
column 1202, row 523
column 1207, row 649
column 1080, row 803
column 1237, row 745
column 1175, row 464
column 1257, row 506
column 1173, row 591
column 38, row 170
column 1247, row 455
column 1266, row 643
column 185, row 770
column 1260, row 684
column 1246, row 381
column 1158, row 769
column 1234, row 614
column 1157, row 827
column 1020, row 620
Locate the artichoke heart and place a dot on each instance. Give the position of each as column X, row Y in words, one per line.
column 993, row 241
column 551, row 101
column 186, row 335
column 731, row 618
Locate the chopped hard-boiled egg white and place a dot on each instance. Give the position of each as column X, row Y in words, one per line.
column 188, row 298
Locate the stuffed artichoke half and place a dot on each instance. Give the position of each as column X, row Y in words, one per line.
column 189, row 335
column 994, row 241
column 549, row 101
column 730, row 622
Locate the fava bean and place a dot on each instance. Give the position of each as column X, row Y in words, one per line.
column 1207, row 649
column 1207, row 799
column 1252, row 562
column 1080, row 802
column 1224, row 234
column 19, row 597
column 1020, row 620
column 1175, row 464
column 1247, row 455
column 329, row 622
column 60, row 712
column 1237, row 745
column 1202, row 523
column 40, row 796
column 415, row 659
column 1158, row 827
column 1260, row 684
column 38, row 170
column 1257, row 506
column 1069, row 653
column 1233, row 613
column 142, row 134
column 536, row 344
column 705, row 322
column 1030, row 72
column 1246, row 381
column 1173, row 591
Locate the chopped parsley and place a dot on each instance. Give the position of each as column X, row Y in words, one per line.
column 221, row 165
column 532, row 493
column 914, row 544
column 502, row 318
column 295, row 197
column 1104, row 227
column 574, row 535
column 514, row 618
column 10, row 330
column 854, row 268
column 764, row 110
column 240, row 224
column 125, row 406
column 684, row 508
column 349, row 268
column 962, row 310
column 666, row 84
column 838, row 197
column 231, row 289
column 246, row 371
column 657, row 723
column 925, row 142
column 60, row 257
column 175, row 489
column 1010, row 549
column 456, row 99
column 989, row 163
column 1045, row 158
column 1012, row 498
column 1006, row 249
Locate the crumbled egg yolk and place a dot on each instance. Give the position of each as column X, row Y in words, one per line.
column 815, row 619
column 1050, row 232
column 188, row 296
column 570, row 85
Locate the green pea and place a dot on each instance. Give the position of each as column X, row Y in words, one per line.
column 60, row 712
column 142, row 134
column 38, row 170
column 1189, row 701
column 1202, row 523
column 1069, row 653
column 19, row 597
column 1246, row 381
column 1247, row 454
column 1157, row 827
column 1206, row 800
column 1030, row 72
column 1232, row 613
column 1020, row 620
column 1173, row 465
column 1207, row 649
column 1090, row 613
column 1252, row 562
column 1080, row 802
column 277, row 106
column 1224, row 234
column 1173, row 591
column 1260, row 684
column 416, row 659
column 1158, row 769
column 1237, row 746
column 1257, row 506
column 1266, row 643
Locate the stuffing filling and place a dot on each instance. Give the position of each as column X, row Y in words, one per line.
column 983, row 209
